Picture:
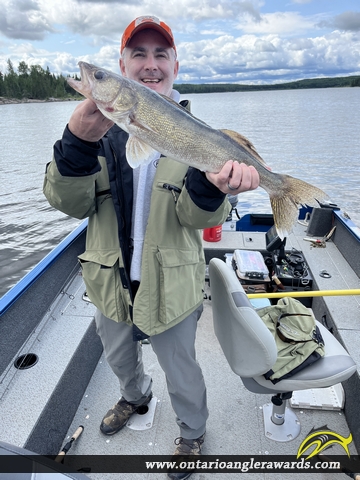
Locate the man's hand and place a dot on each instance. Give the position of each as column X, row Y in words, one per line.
column 88, row 123
column 235, row 178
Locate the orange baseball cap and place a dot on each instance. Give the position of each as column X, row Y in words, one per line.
column 140, row 23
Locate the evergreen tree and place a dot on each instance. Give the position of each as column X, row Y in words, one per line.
column 2, row 87
column 12, row 88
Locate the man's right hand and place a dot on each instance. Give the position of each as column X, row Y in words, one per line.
column 88, row 123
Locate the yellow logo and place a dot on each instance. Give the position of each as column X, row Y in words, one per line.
column 323, row 438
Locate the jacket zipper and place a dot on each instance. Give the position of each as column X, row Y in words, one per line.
column 172, row 189
column 124, row 275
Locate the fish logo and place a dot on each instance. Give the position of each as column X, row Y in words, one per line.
column 322, row 438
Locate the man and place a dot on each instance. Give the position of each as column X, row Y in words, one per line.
column 144, row 263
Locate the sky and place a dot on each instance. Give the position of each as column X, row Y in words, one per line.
column 218, row 41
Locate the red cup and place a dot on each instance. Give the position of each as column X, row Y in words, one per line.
column 212, row 234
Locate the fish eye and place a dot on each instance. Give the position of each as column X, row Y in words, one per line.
column 99, row 74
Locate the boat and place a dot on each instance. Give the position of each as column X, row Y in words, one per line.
column 54, row 380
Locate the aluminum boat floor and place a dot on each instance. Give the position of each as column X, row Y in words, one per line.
column 65, row 340
column 235, row 425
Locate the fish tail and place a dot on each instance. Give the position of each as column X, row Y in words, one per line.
column 286, row 201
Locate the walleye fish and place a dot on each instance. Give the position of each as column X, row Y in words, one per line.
column 157, row 123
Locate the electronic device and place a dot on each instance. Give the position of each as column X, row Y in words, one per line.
column 289, row 267
column 274, row 243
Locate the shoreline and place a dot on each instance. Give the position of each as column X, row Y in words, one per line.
column 13, row 101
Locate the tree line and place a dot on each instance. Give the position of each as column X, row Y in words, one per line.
column 351, row 81
column 33, row 82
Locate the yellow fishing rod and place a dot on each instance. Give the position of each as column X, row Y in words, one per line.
column 307, row 293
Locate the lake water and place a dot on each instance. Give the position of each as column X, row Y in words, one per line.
column 311, row 134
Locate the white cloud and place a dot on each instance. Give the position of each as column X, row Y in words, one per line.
column 279, row 23
column 226, row 40
column 344, row 21
column 94, row 18
column 266, row 57
column 24, row 20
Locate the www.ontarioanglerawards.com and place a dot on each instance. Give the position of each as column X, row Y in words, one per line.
column 251, row 464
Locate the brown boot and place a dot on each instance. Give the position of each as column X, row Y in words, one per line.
column 185, row 449
column 117, row 417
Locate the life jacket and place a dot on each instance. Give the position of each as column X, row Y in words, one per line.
column 298, row 339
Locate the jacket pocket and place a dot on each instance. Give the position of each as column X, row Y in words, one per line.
column 180, row 282
column 102, row 280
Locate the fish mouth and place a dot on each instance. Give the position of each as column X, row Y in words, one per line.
column 75, row 84
column 82, row 86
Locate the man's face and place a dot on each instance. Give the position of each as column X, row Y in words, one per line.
column 149, row 60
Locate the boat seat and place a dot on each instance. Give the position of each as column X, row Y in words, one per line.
column 250, row 350
column 32, row 466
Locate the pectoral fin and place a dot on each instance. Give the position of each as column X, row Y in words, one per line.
column 244, row 142
column 137, row 152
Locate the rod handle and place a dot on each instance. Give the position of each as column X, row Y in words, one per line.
column 78, row 432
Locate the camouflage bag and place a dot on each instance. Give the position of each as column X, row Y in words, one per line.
column 298, row 339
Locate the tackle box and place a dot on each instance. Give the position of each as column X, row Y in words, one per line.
column 250, row 267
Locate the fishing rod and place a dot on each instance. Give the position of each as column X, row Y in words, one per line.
column 60, row 457
column 306, row 293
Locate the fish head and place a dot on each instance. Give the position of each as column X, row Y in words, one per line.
column 113, row 94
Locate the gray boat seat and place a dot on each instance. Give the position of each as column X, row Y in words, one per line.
column 250, row 350
column 42, row 469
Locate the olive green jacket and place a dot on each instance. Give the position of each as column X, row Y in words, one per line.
column 173, row 265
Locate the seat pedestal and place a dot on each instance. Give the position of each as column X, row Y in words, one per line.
column 280, row 432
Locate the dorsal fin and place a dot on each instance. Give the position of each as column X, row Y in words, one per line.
column 185, row 109
column 244, row 142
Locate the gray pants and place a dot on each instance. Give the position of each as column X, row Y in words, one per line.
column 175, row 350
